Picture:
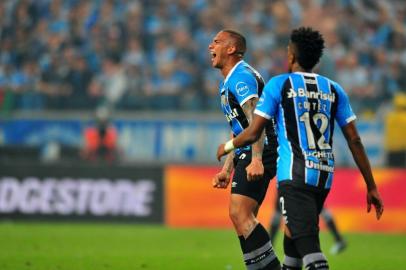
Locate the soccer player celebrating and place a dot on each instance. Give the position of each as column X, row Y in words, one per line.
column 305, row 106
column 254, row 166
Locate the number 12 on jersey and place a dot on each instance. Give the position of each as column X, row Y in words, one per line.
column 324, row 123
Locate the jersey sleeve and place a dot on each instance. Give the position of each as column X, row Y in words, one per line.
column 244, row 87
column 270, row 99
column 344, row 114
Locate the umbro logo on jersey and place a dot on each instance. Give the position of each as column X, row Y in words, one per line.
column 233, row 184
column 243, row 156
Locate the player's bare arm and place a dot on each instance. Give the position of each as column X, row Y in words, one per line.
column 222, row 178
column 358, row 152
column 248, row 136
column 255, row 170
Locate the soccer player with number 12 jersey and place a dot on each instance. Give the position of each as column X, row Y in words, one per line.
column 305, row 106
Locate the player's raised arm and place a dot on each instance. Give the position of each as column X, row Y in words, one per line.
column 246, row 137
column 358, row 152
column 255, row 170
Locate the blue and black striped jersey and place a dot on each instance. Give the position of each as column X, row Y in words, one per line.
column 305, row 106
column 241, row 84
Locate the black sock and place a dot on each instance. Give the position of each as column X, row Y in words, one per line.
column 292, row 260
column 285, row 267
column 242, row 244
column 315, row 261
column 290, row 263
column 307, row 245
column 258, row 250
column 309, row 249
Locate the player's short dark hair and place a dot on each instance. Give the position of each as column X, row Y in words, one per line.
column 239, row 39
column 309, row 45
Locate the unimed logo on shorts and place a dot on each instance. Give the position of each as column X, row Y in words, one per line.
column 78, row 197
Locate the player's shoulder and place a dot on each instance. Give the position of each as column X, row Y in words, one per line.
column 242, row 78
column 280, row 79
column 243, row 72
column 336, row 86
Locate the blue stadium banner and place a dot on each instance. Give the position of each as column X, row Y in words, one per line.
column 167, row 140
column 82, row 192
column 138, row 140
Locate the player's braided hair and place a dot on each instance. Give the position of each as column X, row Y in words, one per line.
column 240, row 41
column 309, row 45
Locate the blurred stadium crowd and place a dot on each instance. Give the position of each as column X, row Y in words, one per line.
column 138, row 55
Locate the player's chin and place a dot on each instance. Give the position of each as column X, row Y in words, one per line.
column 215, row 64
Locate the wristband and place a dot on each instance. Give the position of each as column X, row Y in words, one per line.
column 229, row 146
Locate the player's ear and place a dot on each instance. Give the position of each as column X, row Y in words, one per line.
column 231, row 50
column 292, row 58
column 291, row 55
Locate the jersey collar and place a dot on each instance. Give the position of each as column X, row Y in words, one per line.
column 231, row 71
column 306, row 73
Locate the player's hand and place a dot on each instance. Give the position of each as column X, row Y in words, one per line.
column 221, row 180
column 220, row 151
column 373, row 198
column 255, row 171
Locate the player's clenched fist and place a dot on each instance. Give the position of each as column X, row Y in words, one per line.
column 255, row 171
column 221, row 180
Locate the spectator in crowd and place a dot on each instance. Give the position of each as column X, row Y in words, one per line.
column 25, row 86
column 100, row 139
column 78, row 79
column 170, row 36
column 53, row 83
column 111, row 85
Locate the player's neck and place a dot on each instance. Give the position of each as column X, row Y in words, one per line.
column 298, row 68
column 229, row 66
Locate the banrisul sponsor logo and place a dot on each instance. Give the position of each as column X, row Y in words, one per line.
column 312, row 95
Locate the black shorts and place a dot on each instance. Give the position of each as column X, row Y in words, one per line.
column 300, row 208
column 253, row 189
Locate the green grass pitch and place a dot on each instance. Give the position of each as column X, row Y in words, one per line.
column 93, row 246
